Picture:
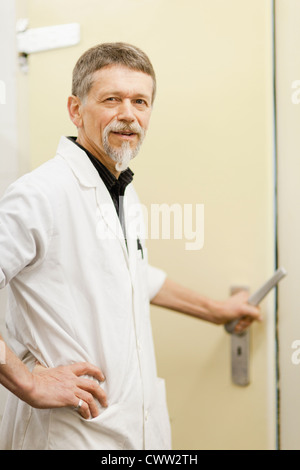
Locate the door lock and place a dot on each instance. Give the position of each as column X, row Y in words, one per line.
column 240, row 342
column 240, row 352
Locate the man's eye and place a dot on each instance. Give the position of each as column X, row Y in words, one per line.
column 140, row 101
column 111, row 98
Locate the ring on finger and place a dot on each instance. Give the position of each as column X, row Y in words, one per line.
column 80, row 403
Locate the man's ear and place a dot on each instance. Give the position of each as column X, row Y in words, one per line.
column 74, row 108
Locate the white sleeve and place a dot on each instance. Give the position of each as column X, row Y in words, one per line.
column 156, row 278
column 25, row 228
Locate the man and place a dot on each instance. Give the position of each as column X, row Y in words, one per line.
column 81, row 368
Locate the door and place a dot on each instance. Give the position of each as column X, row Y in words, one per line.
column 210, row 143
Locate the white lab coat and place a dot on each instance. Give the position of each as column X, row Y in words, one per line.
column 77, row 294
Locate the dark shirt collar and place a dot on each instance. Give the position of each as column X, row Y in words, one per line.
column 111, row 182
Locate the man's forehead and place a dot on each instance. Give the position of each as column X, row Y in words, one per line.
column 119, row 77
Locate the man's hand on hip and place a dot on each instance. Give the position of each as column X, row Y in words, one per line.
column 64, row 386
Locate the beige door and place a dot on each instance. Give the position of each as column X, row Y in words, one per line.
column 210, row 143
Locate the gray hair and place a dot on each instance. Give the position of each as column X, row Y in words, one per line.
column 102, row 55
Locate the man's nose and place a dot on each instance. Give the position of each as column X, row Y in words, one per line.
column 126, row 111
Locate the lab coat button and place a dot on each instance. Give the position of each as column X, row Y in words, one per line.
column 146, row 415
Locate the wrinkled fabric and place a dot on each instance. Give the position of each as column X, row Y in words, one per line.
column 78, row 292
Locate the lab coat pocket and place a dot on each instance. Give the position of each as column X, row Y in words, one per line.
column 110, row 425
column 70, row 431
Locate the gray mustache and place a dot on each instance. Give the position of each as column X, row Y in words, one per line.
column 122, row 127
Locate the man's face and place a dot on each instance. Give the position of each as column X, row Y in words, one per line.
column 115, row 115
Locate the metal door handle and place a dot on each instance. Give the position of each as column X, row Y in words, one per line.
column 258, row 296
column 240, row 342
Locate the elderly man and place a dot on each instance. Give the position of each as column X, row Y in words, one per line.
column 80, row 365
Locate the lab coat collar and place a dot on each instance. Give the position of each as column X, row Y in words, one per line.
column 88, row 176
column 80, row 164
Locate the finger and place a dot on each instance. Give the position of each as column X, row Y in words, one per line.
column 82, row 408
column 85, row 368
column 251, row 311
column 243, row 324
column 94, row 389
column 89, row 407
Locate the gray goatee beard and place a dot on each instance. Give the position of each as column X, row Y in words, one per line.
column 125, row 153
